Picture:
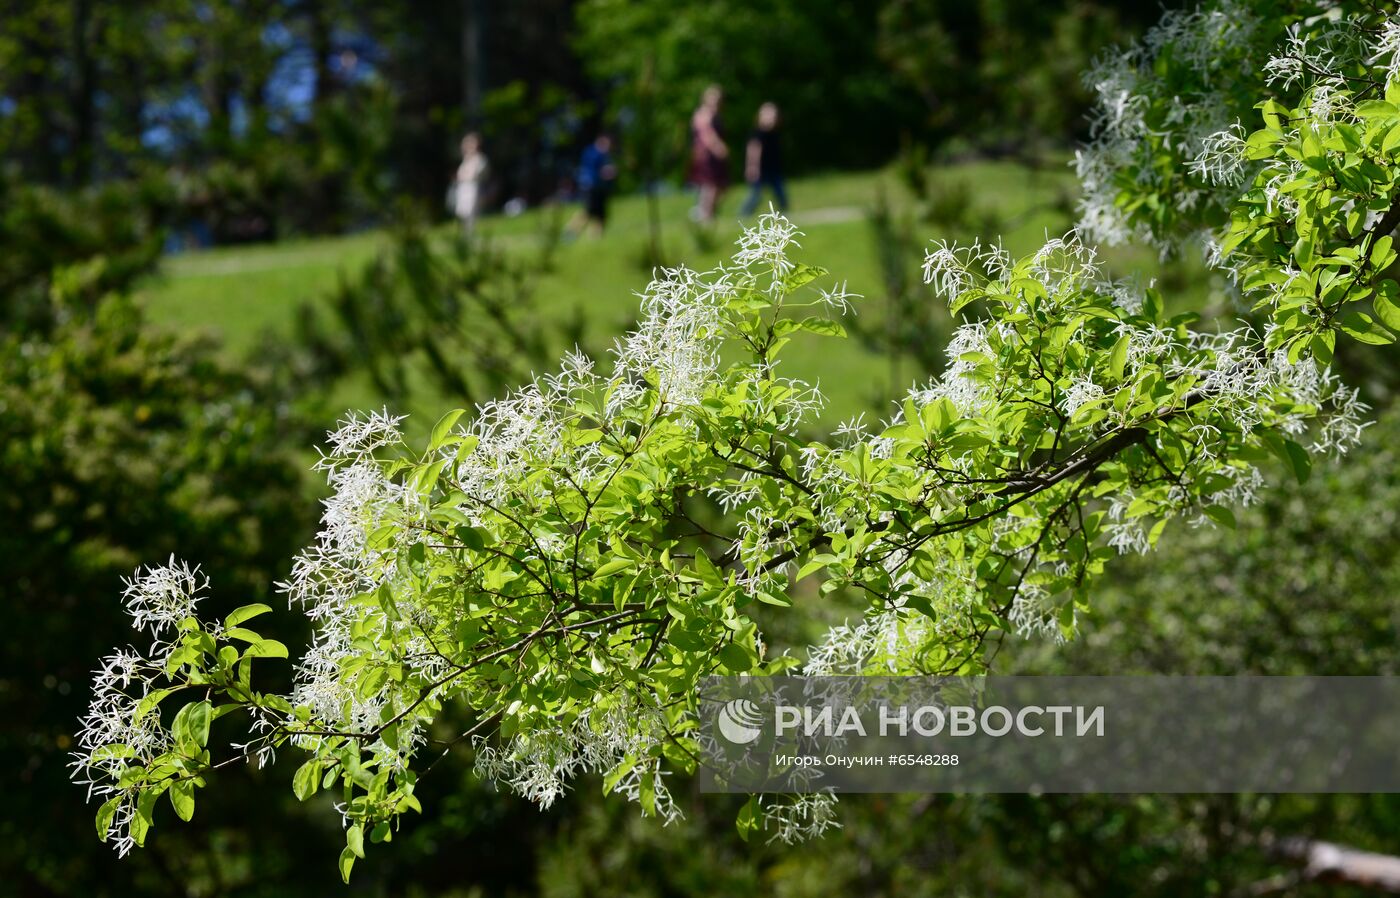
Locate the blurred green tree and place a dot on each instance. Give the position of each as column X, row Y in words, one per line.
column 818, row 61
column 1004, row 74
column 117, row 443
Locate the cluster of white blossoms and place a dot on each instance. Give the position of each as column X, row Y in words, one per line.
column 948, row 268
column 362, row 600
column 1196, row 123
column 1245, row 482
column 1319, row 58
column 675, row 348
column 762, row 537
column 1234, row 373
column 1221, row 159
column 1138, row 113
column 122, row 728
column 767, row 246
column 618, row 737
column 343, row 564
column 800, row 818
column 1233, row 379
column 1061, row 264
column 1386, row 49
column 952, row 268
column 956, row 384
column 1082, row 391
column 891, row 641
column 681, row 330
column 1033, row 613
column 164, row 595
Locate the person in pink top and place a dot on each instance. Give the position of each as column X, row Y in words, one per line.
column 709, row 155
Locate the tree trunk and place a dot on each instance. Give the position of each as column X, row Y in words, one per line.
column 319, row 28
column 83, row 103
column 473, row 63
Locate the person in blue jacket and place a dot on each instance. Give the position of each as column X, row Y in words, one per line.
column 596, row 174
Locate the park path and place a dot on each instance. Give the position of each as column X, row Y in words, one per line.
column 274, row 258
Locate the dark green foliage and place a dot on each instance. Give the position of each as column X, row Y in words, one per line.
column 119, row 445
column 851, row 78
column 817, row 61
column 99, row 240
column 1002, row 74
column 1305, row 584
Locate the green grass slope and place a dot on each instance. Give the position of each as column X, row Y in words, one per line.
column 242, row 294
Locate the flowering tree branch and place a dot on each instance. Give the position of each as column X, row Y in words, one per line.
column 570, row 560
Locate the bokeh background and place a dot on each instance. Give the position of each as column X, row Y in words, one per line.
column 223, row 222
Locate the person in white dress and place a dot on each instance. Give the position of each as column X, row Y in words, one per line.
column 471, row 175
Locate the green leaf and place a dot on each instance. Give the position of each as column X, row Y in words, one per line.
column 113, row 750
column 824, row 326
column 347, row 862
column 1381, row 252
column 1360, row 326
column 182, row 799
column 355, row 840
column 1387, row 311
column 268, row 648
column 246, row 612
column 613, row 567
column 471, row 538
column 105, row 815
column 647, row 793
column 142, row 820
column 371, row 682
column 1323, row 345
column 1220, row 515
column 735, row 657
column 149, row 702
column 1292, row 454
column 1275, row 114
column 615, row 775
column 801, row 275
column 427, row 477
column 191, row 723
column 937, row 416
column 750, row 818
column 443, row 426
column 1151, row 305
column 1376, row 109
column 1118, row 358
column 307, row 779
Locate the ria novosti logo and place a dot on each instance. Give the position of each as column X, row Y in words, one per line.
column 740, row 721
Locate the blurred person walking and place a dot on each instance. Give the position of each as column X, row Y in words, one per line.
column 709, row 155
column 469, row 181
column 763, row 160
column 596, row 174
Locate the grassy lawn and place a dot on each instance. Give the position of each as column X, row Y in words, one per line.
column 245, row 294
